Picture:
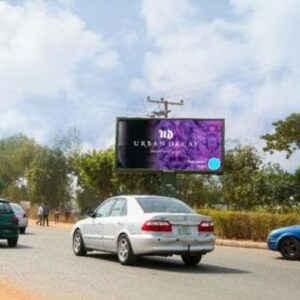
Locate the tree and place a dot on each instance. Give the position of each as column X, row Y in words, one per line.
column 212, row 194
column 48, row 179
column 133, row 183
column 96, row 169
column 286, row 136
column 280, row 188
column 87, row 198
column 16, row 155
column 242, row 178
column 190, row 189
column 297, row 180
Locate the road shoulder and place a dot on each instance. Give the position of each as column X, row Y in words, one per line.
column 9, row 292
column 241, row 243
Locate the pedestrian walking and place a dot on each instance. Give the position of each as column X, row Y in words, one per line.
column 46, row 215
column 67, row 215
column 40, row 215
column 56, row 215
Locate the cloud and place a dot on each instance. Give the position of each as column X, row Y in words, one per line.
column 244, row 68
column 40, row 48
column 165, row 15
column 131, row 38
column 14, row 121
column 50, row 65
column 108, row 60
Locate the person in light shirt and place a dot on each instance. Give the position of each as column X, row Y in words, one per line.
column 40, row 215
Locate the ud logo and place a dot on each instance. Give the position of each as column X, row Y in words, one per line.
column 166, row 134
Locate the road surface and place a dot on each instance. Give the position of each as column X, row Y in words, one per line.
column 45, row 266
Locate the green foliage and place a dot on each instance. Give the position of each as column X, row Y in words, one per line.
column 16, row 192
column 211, row 191
column 242, row 177
column 48, row 179
column 97, row 178
column 132, row 183
column 279, row 189
column 96, row 169
column 189, row 188
column 16, row 155
column 248, row 225
column 286, row 136
column 42, row 174
column 87, row 199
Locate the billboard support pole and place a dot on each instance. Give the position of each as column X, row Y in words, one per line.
column 168, row 184
column 168, row 179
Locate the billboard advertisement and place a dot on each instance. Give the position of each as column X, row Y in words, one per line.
column 181, row 145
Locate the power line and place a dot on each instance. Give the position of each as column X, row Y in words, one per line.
column 204, row 85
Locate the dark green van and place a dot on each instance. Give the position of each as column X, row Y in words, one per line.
column 9, row 229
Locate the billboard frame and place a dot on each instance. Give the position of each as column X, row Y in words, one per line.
column 157, row 171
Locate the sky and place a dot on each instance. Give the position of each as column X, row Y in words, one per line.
column 82, row 63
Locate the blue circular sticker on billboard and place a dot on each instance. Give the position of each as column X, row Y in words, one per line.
column 214, row 164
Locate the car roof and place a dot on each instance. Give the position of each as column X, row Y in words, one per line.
column 141, row 196
column 134, row 197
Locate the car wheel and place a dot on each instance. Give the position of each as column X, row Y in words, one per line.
column 290, row 248
column 12, row 242
column 125, row 253
column 22, row 230
column 78, row 244
column 191, row 259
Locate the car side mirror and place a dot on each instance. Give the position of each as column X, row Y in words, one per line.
column 91, row 214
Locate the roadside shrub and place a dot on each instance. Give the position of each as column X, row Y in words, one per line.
column 248, row 225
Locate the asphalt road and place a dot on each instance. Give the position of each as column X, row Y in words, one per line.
column 45, row 265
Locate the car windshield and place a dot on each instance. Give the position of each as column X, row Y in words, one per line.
column 4, row 208
column 163, row 204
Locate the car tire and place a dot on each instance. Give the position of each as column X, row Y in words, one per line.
column 22, row 230
column 125, row 253
column 78, row 244
column 12, row 242
column 290, row 248
column 191, row 259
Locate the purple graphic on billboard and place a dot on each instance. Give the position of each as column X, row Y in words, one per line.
column 170, row 144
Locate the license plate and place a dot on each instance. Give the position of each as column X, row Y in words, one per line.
column 184, row 230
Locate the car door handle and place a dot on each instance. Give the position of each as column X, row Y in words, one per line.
column 119, row 223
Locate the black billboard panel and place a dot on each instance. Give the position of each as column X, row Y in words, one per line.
column 181, row 145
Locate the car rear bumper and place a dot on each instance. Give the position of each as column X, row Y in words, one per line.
column 150, row 244
column 23, row 223
column 7, row 233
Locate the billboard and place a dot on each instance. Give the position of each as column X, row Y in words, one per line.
column 181, row 145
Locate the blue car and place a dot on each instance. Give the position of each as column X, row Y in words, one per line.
column 287, row 241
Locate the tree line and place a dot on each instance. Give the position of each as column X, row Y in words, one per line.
column 63, row 176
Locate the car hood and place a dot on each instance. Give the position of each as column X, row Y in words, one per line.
column 294, row 228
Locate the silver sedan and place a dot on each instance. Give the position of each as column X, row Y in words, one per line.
column 21, row 215
column 132, row 226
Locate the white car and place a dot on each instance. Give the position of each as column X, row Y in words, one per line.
column 21, row 215
column 132, row 226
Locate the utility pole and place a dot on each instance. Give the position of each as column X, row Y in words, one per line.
column 165, row 112
column 168, row 178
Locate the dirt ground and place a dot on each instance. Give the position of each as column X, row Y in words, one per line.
column 9, row 292
column 59, row 225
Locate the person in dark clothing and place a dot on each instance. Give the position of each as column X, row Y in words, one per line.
column 46, row 215
column 56, row 215
column 67, row 215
